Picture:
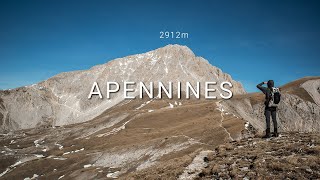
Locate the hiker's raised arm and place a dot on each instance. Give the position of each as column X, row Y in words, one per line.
column 263, row 89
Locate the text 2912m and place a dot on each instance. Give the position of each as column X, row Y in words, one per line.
column 173, row 35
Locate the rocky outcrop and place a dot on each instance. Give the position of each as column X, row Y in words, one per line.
column 63, row 99
column 313, row 88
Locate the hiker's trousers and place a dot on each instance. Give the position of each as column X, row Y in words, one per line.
column 273, row 114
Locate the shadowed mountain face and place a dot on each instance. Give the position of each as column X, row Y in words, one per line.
column 63, row 99
column 149, row 138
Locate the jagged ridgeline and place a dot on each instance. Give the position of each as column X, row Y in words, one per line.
column 63, row 99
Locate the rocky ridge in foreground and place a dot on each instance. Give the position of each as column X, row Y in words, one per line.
column 292, row 155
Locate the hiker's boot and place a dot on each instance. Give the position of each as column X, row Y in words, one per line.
column 267, row 133
column 276, row 134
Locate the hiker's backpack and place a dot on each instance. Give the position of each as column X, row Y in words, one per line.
column 274, row 97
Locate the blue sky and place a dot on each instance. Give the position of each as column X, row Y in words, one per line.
column 252, row 40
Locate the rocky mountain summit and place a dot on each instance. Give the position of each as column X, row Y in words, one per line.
column 63, row 99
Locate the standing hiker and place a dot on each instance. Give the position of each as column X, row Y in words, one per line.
column 272, row 100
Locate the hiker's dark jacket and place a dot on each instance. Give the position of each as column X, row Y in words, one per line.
column 267, row 92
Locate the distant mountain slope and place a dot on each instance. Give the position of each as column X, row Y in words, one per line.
column 63, row 99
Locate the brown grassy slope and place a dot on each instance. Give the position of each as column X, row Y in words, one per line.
column 196, row 119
